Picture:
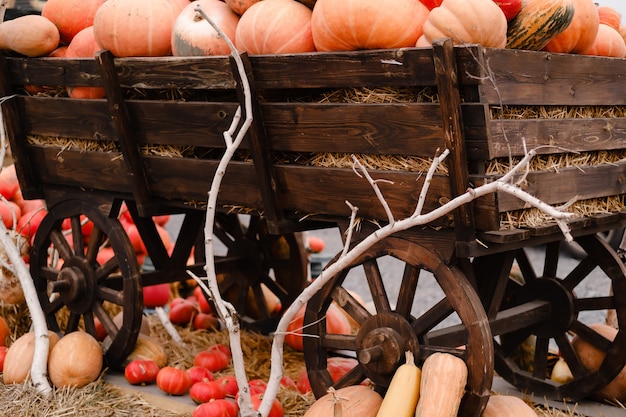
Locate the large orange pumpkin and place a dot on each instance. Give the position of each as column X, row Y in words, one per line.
column 275, row 27
column 83, row 45
column 19, row 357
column 367, row 24
column 137, row 27
column 71, row 16
column 608, row 42
column 192, row 35
column 75, row 360
column 610, row 16
column 580, row 33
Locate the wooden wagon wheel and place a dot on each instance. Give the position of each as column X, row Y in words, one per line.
column 525, row 353
column 77, row 278
column 382, row 337
column 258, row 267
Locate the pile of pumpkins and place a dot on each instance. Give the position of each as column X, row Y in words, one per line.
column 179, row 27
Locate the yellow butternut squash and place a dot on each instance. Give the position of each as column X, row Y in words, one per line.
column 30, row 35
column 444, row 377
column 403, row 393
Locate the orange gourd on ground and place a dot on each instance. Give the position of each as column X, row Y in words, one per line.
column 19, row 357
column 608, row 42
column 136, row 27
column 580, row 33
column 275, row 27
column 367, row 24
column 192, row 35
column 83, row 45
column 71, row 16
column 467, row 21
column 75, row 360
column 354, row 401
column 591, row 358
column 507, row 406
column 610, row 16
column 30, row 35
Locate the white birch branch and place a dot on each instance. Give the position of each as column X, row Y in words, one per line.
column 39, row 367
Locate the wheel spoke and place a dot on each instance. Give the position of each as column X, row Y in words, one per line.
column 60, row 244
column 261, row 303
column 104, row 271
column 254, row 228
column 352, row 377
column 332, row 341
column 106, row 320
column 273, row 286
column 77, row 235
column 567, row 352
column 93, row 247
column 51, row 307
column 579, row 273
column 591, row 336
column 376, row 286
column 541, row 357
column 350, row 305
column 431, row 318
column 90, row 325
column 111, row 295
column 72, row 322
column 528, row 272
column 410, row 278
column 594, row 303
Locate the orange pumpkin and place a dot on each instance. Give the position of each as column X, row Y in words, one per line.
column 75, row 360
column 608, row 42
column 5, row 331
column 192, row 35
column 354, row 401
column 19, row 357
column 367, row 24
column 71, row 16
column 136, row 27
column 591, row 358
column 610, row 16
column 83, row 45
column 275, row 27
column 336, row 322
column 507, row 406
column 467, row 21
column 580, row 33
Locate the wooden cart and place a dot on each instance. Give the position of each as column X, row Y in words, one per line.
column 186, row 104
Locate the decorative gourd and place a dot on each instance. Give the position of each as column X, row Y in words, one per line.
column 192, row 35
column 608, row 42
column 610, row 16
column 507, row 406
column 136, row 27
column 83, row 45
column 367, row 24
column 148, row 348
column 240, row 6
column 30, row 35
column 19, row 357
column 538, row 22
column 71, row 16
column 354, row 401
column 591, row 358
column 467, row 21
column 443, row 381
column 580, row 33
column 275, row 27
column 75, row 360
column 404, row 390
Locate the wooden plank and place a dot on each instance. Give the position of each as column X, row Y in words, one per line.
column 548, row 136
column 543, row 78
column 591, row 181
column 504, row 236
column 403, row 66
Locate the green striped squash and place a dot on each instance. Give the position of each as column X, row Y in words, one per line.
column 538, row 22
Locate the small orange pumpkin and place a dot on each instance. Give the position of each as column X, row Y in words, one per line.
column 71, row 16
column 610, row 16
column 275, row 27
column 467, row 21
column 136, row 27
column 608, row 42
column 192, row 35
column 367, row 24
column 83, row 45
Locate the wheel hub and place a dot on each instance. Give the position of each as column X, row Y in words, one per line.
column 382, row 341
column 75, row 285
